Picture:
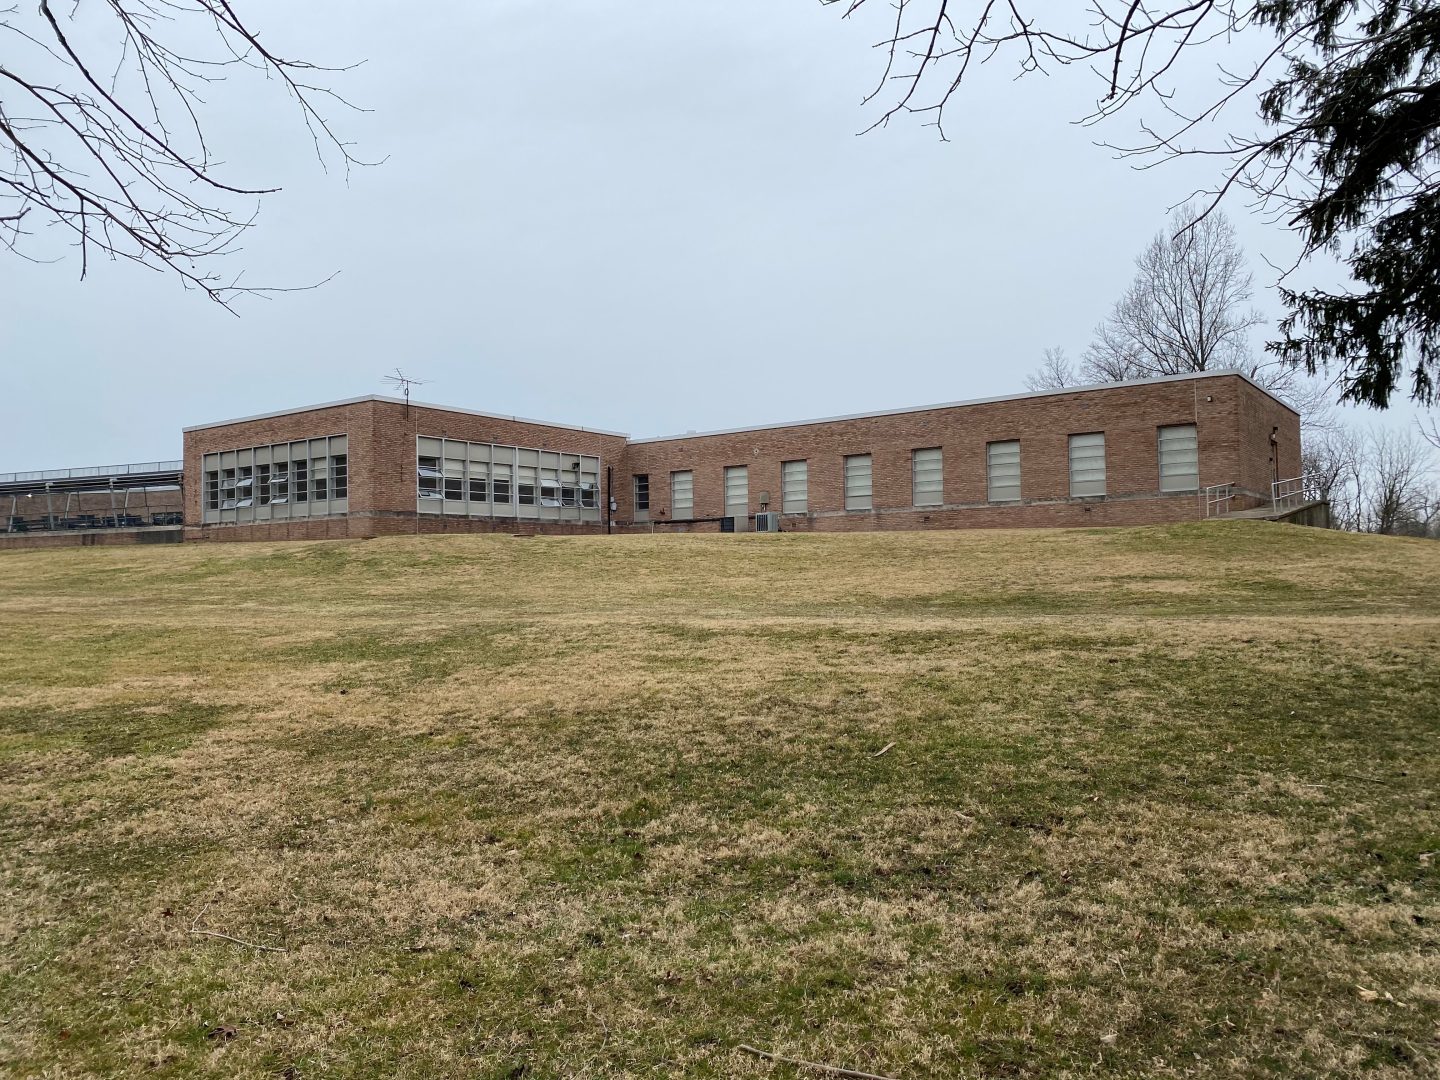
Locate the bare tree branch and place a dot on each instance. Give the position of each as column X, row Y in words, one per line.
column 122, row 163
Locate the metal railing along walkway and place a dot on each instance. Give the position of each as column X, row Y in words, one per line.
column 143, row 468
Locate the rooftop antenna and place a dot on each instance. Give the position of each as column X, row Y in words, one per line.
column 402, row 382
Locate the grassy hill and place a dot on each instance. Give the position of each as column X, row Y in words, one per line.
column 1155, row 802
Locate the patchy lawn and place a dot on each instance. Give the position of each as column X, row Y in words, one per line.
column 1156, row 802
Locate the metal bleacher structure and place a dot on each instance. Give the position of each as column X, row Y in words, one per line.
column 141, row 495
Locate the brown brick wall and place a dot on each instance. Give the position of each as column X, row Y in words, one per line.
column 1222, row 407
column 354, row 420
column 1234, row 422
column 90, row 538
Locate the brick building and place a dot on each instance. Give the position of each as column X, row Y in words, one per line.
column 1114, row 454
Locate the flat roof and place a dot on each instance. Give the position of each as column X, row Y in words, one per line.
column 401, row 401
column 1183, row 377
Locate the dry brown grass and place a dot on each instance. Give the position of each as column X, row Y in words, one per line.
column 1160, row 802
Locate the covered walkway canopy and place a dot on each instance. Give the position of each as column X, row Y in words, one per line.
column 143, row 494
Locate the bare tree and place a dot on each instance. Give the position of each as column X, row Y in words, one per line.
column 1429, row 428
column 1054, row 373
column 1340, row 144
column 1397, row 486
column 102, row 132
column 1187, row 310
column 1332, row 459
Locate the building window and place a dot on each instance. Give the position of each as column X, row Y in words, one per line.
column 500, row 485
column 1002, row 464
column 481, row 479
column 319, row 479
column 642, row 493
column 682, row 495
column 301, row 471
column 737, row 491
column 429, row 478
column 794, row 487
column 525, row 485
column 261, row 483
column 1087, row 464
column 1179, row 458
column 927, row 477
column 857, row 482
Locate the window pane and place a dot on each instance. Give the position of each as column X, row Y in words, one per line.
column 682, row 495
column 1179, row 458
column 1087, row 464
column 1002, row 460
column 857, row 482
column 737, row 490
column 642, row 492
column 928, row 477
column 795, row 487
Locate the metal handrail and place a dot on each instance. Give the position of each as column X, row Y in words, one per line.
column 137, row 469
column 1288, row 494
column 1217, row 499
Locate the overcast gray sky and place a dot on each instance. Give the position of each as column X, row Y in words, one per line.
column 642, row 216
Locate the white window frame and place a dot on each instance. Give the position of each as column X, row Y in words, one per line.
column 859, row 474
column 795, row 487
column 1184, row 440
column 998, row 487
column 927, row 476
column 732, row 472
column 682, row 482
column 1087, row 467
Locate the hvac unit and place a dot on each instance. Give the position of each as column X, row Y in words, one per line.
column 767, row 522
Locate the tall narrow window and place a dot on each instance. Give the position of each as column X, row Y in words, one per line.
column 525, row 485
column 340, row 476
column 737, row 491
column 795, row 487
column 500, row 482
column 642, row 496
column 927, row 476
column 319, row 479
column 1002, row 464
column 1179, row 458
column 212, row 490
column 682, row 495
column 857, row 482
column 300, row 470
column 280, row 482
column 245, row 488
column 1087, row 464
column 429, row 472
